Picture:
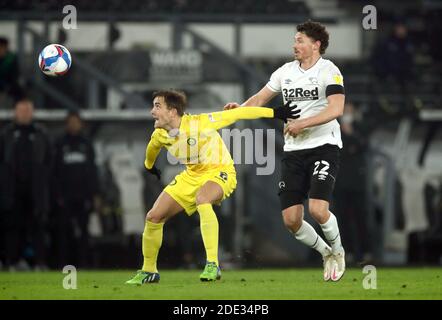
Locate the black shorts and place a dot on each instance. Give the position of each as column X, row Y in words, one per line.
column 309, row 173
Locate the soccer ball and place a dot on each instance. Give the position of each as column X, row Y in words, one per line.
column 54, row 60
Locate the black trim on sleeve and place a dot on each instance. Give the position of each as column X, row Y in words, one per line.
column 334, row 89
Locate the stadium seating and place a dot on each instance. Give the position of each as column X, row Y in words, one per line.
column 158, row 6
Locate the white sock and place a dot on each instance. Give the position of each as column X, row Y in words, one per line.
column 331, row 232
column 308, row 236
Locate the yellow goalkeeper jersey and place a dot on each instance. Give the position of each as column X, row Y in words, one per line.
column 197, row 144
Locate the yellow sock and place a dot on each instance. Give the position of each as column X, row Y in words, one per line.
column 152, row 239
column 209, row 231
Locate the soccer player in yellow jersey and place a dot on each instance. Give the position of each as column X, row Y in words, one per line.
column 209, row 177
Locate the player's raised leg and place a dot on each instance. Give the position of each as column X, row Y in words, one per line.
column 164, row 208
column 319, row 209
column 304, row 232
column 208, row 194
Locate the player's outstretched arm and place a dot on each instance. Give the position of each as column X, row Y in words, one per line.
column 218, row 120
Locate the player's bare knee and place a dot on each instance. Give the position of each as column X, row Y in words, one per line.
column 319, row 210
column 154, row 217
column 292, row 219
column 292, row 223
column 202, row 198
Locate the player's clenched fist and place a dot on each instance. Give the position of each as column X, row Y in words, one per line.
column 231, row 105
column 293, row 128
column 155, row 171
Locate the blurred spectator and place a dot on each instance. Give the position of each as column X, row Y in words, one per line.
column 350, row 189
column 9, row 73
column 433, row 28
column 109, row 210
column 393, row 58
column 25, row 159
column 76, row 191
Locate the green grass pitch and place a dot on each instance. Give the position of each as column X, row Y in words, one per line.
column 279, row 284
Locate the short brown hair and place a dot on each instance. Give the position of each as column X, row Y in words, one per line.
column 174, row 99
column 316, row 31
column 23, row 99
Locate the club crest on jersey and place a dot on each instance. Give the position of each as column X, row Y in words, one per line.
column 281, row 184
column 313, row 80
column 191, row 141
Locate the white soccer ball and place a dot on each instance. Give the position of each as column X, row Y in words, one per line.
column 54, row 60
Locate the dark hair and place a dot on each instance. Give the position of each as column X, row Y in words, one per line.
column 4, row 41
column 316, row 31
column 73, row 113
column 174, row 99
column 22, row 99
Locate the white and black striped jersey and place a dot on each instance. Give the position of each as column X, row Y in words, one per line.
column 309, row 89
